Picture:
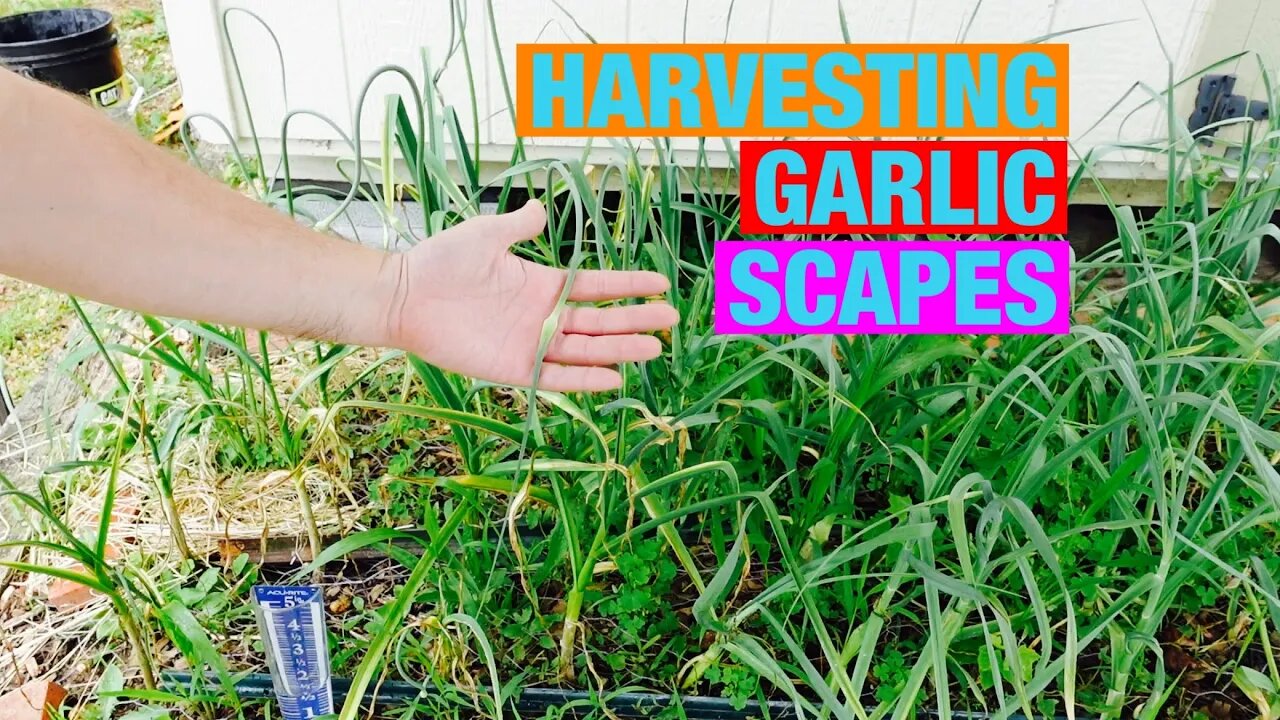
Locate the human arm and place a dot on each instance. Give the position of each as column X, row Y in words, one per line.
column 93, row 211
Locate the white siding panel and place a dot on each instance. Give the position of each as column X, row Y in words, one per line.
column 815, row 21
column 1001, row 21
column 312, row 44
column 872, row 21
column 943, row 22
column 331, row 46
column 1232, row 26
column 397, row 32
column 1009, row 21
column 197, row 56
column 1264, row 41
column 1109, row 61
column 532, row 21
column 704, row 21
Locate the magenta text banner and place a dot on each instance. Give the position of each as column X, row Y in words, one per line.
column 900, row 287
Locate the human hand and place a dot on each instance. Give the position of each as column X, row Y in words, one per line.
column 463, row 302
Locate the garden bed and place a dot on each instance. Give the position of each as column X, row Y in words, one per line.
column 846, row 526
column 389, row 459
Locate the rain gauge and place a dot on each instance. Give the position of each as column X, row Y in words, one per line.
column 297, row 646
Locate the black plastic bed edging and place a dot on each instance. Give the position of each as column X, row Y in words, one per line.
column 535, row 701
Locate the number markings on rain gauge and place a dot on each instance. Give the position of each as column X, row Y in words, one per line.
column 293, row 630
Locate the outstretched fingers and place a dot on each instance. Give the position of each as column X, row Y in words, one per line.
column 592, row 340
column 625, row 320
column 578, row 378
column 605, row 350
column 604, row 285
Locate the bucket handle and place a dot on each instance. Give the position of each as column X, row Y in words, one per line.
column 138, row 93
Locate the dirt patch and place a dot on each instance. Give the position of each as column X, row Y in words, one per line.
column 33, row 324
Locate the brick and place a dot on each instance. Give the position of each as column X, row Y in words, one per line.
column 127, row 507
column 1270, row 312
column 65, row 595
column 32, row 701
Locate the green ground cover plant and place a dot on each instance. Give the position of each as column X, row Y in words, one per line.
column 867, row 527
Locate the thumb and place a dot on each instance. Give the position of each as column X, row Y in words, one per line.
column 520, row 225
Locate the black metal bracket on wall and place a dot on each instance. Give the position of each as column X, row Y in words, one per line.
column 1216, row 101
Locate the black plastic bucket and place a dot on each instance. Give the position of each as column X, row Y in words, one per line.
column 71, row 49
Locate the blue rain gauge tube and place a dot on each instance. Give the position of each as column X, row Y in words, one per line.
column 297, row 646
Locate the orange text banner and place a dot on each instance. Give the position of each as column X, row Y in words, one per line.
column 736, row 90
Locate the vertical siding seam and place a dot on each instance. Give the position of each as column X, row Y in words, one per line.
column 1253, row 26
column 346, row 64
column 485, row 73
column 223, row 71
column 1183, row 61
column 911, row 22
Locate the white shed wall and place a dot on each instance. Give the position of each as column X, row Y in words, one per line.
column 331, row 46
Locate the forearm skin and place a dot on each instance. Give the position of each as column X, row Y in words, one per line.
column 90, row 209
